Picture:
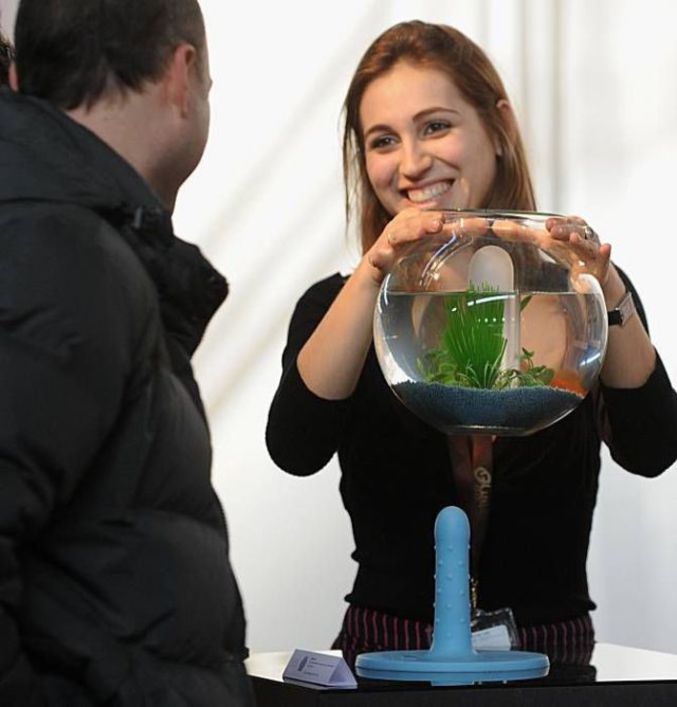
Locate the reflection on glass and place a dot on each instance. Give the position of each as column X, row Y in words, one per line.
column 490, row 329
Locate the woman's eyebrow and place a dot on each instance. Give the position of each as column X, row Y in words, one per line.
column 435, row 109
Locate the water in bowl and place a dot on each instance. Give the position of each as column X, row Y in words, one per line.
column 490, row 362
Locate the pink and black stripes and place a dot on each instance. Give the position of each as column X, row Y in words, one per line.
column 365, row 630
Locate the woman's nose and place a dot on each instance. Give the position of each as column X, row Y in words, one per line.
column 416, row 160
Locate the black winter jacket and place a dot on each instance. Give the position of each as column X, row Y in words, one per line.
column 115, row 584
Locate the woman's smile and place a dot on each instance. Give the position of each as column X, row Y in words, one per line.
column 429, row 192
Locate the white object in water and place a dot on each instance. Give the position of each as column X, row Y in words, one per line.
column 492, row 267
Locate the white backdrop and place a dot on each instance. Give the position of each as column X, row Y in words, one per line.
column 591, row 81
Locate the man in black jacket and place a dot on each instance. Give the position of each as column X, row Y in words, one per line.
column 115, row 584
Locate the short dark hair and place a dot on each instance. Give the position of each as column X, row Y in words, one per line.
column 73, row 52
column 6, row 58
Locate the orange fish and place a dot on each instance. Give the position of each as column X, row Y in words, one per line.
column 566, row 379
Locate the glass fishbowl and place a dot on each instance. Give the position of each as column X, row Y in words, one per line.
column 492, row 326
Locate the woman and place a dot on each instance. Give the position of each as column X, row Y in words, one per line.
column 428, row 126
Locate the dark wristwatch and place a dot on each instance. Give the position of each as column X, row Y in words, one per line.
column 620, row 314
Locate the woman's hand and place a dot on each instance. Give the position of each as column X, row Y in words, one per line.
column 331, row 361
column 570, row 238
column 591, row 255
column 409, row 225
column 630, row 356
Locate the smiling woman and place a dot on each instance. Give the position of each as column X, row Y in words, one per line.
column 429, row 127
column 425, row 145
column 447, row 88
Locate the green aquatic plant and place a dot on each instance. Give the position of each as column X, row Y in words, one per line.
column 528, row 374
column 472, row 345
column 472, row 342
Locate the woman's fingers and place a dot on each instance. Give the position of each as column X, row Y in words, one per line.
column 408, row 226
column 591, row 255
column 411, row 225
column 566, row 227
column 469, row 225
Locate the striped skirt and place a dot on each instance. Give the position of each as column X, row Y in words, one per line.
column 365, row 630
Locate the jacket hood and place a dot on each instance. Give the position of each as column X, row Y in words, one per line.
column 52, row 158
column 47, row 157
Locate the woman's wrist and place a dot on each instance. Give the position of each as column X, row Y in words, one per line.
column 369, row 273
column 614, row 288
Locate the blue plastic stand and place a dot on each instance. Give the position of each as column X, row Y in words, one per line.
column 451, row 658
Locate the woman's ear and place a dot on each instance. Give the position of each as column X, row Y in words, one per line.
column 507, row 117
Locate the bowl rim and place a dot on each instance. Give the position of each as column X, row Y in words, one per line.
column 501, row 213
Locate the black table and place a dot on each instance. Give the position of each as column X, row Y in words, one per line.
column 616, row 677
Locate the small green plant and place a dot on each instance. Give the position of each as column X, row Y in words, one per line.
column 472, row 345
column 528, row 374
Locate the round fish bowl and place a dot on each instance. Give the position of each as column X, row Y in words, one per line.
column 491, row 326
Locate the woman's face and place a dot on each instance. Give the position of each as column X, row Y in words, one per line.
column 425, row 145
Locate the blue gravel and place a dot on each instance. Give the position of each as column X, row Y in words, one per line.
column 511, row 411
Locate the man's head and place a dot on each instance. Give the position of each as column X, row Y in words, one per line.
column 71, row 52
column 135, row 72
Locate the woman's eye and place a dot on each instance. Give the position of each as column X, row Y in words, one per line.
column 381, row 142
column 436, row 126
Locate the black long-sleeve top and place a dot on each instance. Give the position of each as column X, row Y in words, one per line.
column 397, row 475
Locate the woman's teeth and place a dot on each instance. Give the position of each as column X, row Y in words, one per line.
column 427, row 193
